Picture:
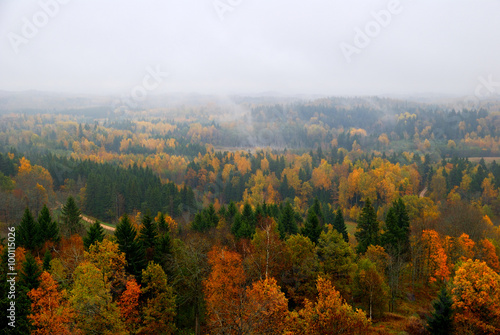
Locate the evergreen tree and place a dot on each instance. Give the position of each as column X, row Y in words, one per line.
column 403, row 220
column 441, row 320
column 316, row 207
column 28, row 232
column 162, row 223
column 211, row 216
column 70, row 216
column 126, row 234
column 47, row 257
column 235, row 227
column 199, row 223
column 49, row 231
column 368, row 231
column 245, row 230
column 312, row 228
column 94, row 234
column 248, row 215
column 29, row 277
column 339, row 225
column 287, row 224
column 248, row 223
column 396, row 238
column 149, row 237
column 148, row 234
column 231, row 210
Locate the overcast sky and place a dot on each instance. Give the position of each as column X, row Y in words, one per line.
column 333, row 47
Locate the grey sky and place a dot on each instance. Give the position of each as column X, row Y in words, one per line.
column 287, row 46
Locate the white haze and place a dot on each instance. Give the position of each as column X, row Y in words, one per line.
column 280, row 46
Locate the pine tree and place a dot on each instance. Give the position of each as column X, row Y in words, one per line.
column 396, row 238
column 339, row 225
column 47, row 257
column 287, row 224
column 403, row 221
column 49, row 231
column 235, row 227
column 149, row 237
column 441, row 320
column 28, row 232
column 162, row 223
column 70, row 216
column 199, row 223
column 30, row 273
column 312, row 228
column 148, row 234
column 29, row 279
column 94, row 234
column 316, row 207
column 368, row 232
column 134, row 253
column 211, row 216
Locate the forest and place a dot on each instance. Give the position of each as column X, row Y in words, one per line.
column 254, row 216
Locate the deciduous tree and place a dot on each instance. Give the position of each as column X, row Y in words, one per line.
column 49, row 313
column 476, row 298
column 330, row 314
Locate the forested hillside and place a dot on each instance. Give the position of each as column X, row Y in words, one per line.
column 367, row 215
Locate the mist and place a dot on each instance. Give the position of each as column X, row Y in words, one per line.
column 228, row 47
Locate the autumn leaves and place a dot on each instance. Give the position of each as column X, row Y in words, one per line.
column 261, row 308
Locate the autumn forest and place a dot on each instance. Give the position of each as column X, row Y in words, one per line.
column 250, row 216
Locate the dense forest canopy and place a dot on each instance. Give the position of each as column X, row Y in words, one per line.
column 253, row 216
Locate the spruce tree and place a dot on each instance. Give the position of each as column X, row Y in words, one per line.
column 368, row 230
column 28, row 234
column 47, row 257
column 396, row 237
column 30, row 273
column 199, row 223
column 316, row 207
column 149, row 237
column 29, row 278
column 211, row 217
column 235, row 227
column 231, row 210
column 441, row 320
column 94, row 234
column 148, row 234
column 312, row 228
column 339, row 225
column 70, row 217
column 403, row 220
column 126, row 234
column 49, row 231
column 287, row 224
column 162, row 223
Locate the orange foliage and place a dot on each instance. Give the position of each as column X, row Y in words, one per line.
column 435, row 256
column 267, row 308
column 129, row 305
column 224, row 291
column 49, row 315
column 476, row 299
column 487, row 253
column 329, row 315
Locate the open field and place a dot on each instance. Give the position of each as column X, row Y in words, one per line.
column 487, row 160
